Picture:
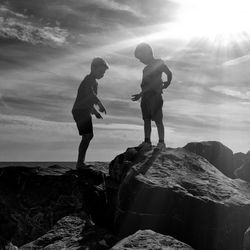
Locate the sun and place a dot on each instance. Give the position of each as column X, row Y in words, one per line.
column 221, row 21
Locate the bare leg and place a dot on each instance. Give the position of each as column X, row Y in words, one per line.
column 160, row 129
column 147, row 129
column 84, row 144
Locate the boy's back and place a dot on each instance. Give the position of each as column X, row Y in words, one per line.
column 86, row 94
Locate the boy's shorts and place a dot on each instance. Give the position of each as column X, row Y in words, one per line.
column 83, row 121
column 151, row 107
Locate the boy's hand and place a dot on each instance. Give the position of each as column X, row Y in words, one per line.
column 102, row 109
column 136, row 97
column 98, row 115
column 165, row 85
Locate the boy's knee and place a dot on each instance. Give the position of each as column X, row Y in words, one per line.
column 159, row 123
column 88, row 136
column 147, row 121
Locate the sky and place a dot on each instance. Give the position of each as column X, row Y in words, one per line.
column 46, row 48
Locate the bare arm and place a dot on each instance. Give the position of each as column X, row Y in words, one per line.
column 97, row 101
column 96, row 113
column 94, row 95
column 169, row 76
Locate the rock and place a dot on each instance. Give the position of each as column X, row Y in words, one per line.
column 35, row 198
column 181, row 194
column 72, row 233
column 7, row 226
column 119, row 167
column 176, row 193
column 243, row 172
column 216, row 153
column 239, row 159
column 246, row 240
column 10, row 246
column 148, row 239
column 242, row 166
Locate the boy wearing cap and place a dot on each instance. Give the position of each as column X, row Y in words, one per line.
column 151, row 94
column 83, row 107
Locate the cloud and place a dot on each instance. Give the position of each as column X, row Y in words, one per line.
column 113, row 5
column 237, row 61
column 57, row 129
column 25, row 138
column 18, row 26
column 233, row 93
column 119, row 126
column 27, row 123
column 5, row 11
column 89, row 16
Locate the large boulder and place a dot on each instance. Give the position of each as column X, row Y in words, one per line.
column 216, row 153
column 33, row 199
column 179, row 193
column 72, row 233
column 150, row 240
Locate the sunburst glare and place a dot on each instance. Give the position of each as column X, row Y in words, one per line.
column 221, row 22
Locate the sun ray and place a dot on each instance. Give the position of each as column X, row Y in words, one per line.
column 222, row 22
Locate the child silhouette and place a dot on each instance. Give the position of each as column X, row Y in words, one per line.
column 151, row 94
column 84, row 106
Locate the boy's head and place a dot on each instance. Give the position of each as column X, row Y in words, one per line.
column 144, row 53
column 98, row 67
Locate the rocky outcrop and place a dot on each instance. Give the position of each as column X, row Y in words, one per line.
column 149, row 240
column 181, row 194
column 34, row 199
column 73, row 233
column 175, row 192
column 216, row 153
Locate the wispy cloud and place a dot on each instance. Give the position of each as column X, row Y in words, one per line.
column 18, row 26
column 231, row 92
column 114, row 5
column 237, row 60
column 5, row 11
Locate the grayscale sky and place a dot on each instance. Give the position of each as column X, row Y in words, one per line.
column 46, row 47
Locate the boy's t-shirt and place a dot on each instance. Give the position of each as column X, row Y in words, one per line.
column 152, row 76
column 86, row 94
